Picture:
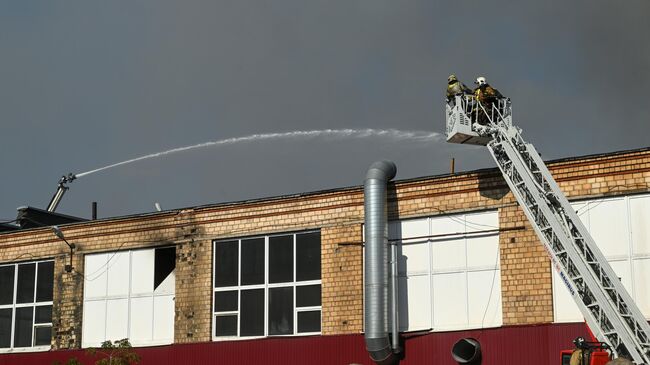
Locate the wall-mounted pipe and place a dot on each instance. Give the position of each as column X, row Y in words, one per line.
column 376, row 262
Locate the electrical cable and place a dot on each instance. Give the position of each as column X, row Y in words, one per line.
column 494, row 274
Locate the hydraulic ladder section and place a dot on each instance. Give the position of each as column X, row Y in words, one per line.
column 609, row 310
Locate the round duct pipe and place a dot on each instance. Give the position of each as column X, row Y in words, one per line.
column 467, row 351
column 376, row 262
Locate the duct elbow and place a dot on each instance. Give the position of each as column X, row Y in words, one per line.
column 382, row 170
column 380, row 351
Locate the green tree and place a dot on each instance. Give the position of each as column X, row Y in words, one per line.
column 119, row 352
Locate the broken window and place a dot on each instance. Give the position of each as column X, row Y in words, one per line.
column 164, row 265
column 129, row 294
column 267, row 285
column 26, row 304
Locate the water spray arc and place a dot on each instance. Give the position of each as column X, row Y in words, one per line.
column 395, row 134
column 339, row 134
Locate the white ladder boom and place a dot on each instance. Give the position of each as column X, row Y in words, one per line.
column 610, row 312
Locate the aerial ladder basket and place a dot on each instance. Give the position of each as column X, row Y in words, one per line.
column 608, row 309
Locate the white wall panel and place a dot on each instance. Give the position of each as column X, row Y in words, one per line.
column 447, row 225
column 581, row 209
column 484, row 298
column 624, row 273
column 564, row 307
column 142, row 267
column 408, row 228
column 414, row 303
column 641, row 285
column 95, row 274
column 141, row 329
column 482, row 221
column 483, row 252
column 413, row 255
column 448, row 255
column 118, row 274
column 163, row 318
column 413, row 259
column 640, row 223
column 608, row 226
column 94, row 323
column 433, row 272
column 449, row 301
column 117, row 319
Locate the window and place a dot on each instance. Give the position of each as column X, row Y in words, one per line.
column 26, row 305
column 129, row 294
column 619, row 226
column 448, row 272
column 267, row 286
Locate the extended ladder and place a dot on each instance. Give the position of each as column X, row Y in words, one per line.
column 610, row 312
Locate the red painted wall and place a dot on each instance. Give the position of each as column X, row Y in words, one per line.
column 531, row 345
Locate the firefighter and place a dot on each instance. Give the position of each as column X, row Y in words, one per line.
column 455, row 87
column 486, row 95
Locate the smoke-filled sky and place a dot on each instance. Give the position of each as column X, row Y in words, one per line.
column 85, row 84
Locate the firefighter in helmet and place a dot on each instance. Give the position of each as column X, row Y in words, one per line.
column 455, row 87
column 486, row 95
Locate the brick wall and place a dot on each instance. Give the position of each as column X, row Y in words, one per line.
column 525, row 271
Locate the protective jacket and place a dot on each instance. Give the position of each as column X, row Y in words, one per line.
column 457, row 87
column 486, row 94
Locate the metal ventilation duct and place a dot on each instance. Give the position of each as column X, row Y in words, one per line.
column 376, row 262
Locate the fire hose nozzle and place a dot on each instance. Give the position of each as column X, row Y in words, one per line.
column 67, row 178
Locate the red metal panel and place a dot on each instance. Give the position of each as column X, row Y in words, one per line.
column 532, row 345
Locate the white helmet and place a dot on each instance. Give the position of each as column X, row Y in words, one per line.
column 481, row 81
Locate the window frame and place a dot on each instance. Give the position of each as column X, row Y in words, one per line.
column 128, row 297
column 33, row 304
column 472, row 229
column 266, row 286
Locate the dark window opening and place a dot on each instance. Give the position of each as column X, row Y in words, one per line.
column 308, row 256
column 280, row 259
column 226, row 263
column 23, row 327
column 225, row 326
column 42, row 336
column 225, row 301
column 5, row 327
column 308, row 296
column 7, row 284
column 25, row 290
column 252, row 312
column 252, row 261
column 309, row 321
column 45, row 281
column 164, row 264
column 281, row 311
column 43, row 314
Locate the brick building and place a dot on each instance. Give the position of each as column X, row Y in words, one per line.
column 281, row 279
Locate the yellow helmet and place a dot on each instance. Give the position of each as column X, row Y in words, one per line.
column 452, row 78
